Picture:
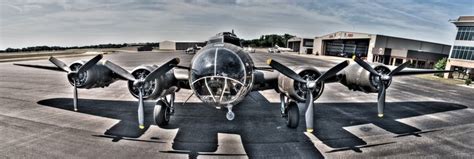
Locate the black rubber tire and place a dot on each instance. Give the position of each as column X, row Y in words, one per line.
column 293, row 115
column 160, row 114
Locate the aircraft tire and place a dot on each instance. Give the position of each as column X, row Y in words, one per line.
column 160, row 114
column 293, row 117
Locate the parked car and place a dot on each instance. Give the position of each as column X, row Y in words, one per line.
column 189, row 50
column 192, row 50
column 249, row 49
column 270, row 50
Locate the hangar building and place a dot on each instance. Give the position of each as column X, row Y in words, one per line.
column 167, row 45
column 172, row 45
column 462, row 55
column 300, row 45
column 381, row 48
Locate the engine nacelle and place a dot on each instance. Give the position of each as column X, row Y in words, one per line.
column 296, row 90
column 97, row 76
column 154, row 89
column 359, row 79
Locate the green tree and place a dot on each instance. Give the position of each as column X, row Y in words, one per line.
column 269, row 40
column 440, row 65
column 287, row 36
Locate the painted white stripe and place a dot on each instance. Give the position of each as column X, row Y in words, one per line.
column 441, row 119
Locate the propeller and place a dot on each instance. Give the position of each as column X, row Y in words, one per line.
column 382, row 79
column 74, row 74
column 140, row 82
column 310, row 85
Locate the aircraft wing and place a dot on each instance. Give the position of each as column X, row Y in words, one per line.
column 419, row 71
column 267, row 78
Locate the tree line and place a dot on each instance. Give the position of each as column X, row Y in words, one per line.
column 264, row 41
column 268, row 40
column 60, row 48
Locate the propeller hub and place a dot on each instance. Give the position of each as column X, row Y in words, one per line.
column 149, row 87
column 382, row 76
column 300, row 89
column 310, row 84
column 385, row 77
column 138, row 83
column 75, row 77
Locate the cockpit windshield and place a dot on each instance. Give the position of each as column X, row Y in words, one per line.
column 218, row 76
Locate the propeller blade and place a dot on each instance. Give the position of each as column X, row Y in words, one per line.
column 119, row 70
column 162, row 69
column 415, row 72
column 59, row 64
column 140, row 109
column 53, row 68
column 365, row 65
column 309, row 115
column 381, row 98
column 285, row 70
column 332, row 71
column 399, row 68
column 75, row 96
column 89, row 64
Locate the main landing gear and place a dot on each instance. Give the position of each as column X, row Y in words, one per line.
column 164, row 108
column 290, row 111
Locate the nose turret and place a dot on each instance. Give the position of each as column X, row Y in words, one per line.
column 218, row 75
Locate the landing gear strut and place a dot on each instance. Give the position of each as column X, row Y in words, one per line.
column 290, row 111
column 164, row 108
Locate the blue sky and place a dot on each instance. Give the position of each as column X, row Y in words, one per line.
column 85, row 22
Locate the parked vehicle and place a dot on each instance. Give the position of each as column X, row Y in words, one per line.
column 271, row 50
column 192, row 50
column 249, row 49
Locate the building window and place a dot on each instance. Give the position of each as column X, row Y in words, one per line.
column 465, row 33
column 463, row 52
column 398, row 62
column 308, row 42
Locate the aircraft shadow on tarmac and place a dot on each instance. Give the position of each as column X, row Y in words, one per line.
column 258, row 122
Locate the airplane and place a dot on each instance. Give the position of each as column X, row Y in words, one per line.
column 221, row 74
column 282, row 49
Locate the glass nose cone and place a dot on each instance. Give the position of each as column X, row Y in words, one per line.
column 218, row 76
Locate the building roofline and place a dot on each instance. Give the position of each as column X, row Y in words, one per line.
column 383, row 35
column 414, row 39
column 182, row 41
column 463, row 18
column 342, row 31
column 300, row 37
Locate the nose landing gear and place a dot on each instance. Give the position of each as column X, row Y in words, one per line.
column 230, row 115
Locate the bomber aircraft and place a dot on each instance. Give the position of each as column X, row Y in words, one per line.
column 221, row 74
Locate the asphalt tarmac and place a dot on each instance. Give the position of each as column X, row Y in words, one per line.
column 423, row 119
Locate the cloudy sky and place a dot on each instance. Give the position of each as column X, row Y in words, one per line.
column 85, row 22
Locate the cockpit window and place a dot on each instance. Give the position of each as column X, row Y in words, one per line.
column 218, row 40
column 218, row 76
column 232, row 40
